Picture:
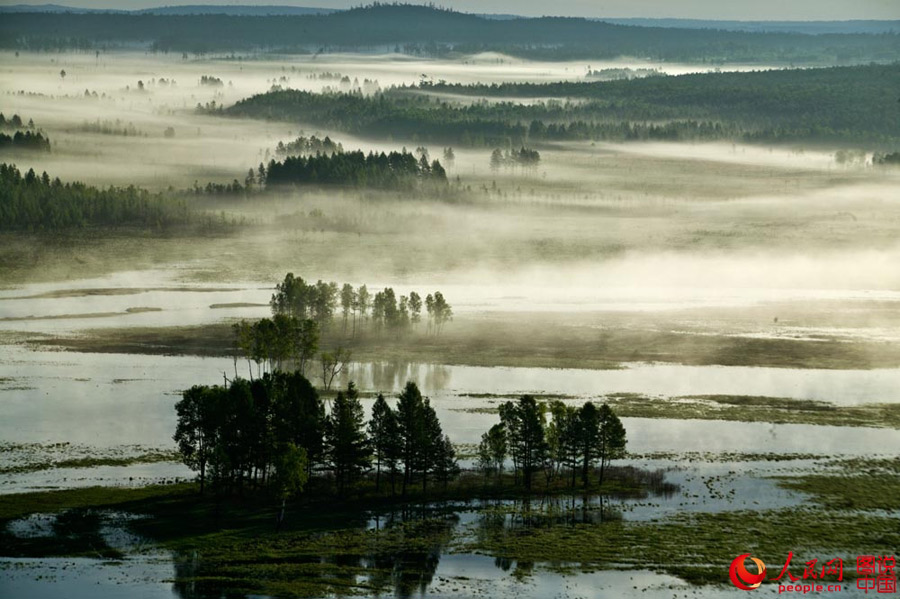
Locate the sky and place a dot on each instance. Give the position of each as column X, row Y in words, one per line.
column 805, row 10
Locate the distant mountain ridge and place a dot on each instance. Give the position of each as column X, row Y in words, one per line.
column 808, row 27
column 182, row 9
column 428, row 31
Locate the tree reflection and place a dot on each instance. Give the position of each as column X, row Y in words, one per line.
column 401, row 560
column 392, row 375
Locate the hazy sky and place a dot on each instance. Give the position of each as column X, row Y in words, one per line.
column 692, row 9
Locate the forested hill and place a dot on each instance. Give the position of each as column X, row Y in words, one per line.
column 840, row 104
column 432, row 31
column 830, row 92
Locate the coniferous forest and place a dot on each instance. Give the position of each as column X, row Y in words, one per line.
column 832, row 104
column 37, row 203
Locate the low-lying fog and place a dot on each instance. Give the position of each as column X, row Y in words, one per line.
column 600, row 245
column 638, row 224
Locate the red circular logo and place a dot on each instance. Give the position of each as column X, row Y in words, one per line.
column 743, row 578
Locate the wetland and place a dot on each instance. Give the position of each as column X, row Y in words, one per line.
column 734, row 300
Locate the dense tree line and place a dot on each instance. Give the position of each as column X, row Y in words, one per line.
column 35, row 202
column 618, row 74
column 15, row 122
column 211, row 81
column 302, row 311
column 839, row 104
column 430, row 31
column 525, row 158
column 221, row 189
column 395, row 170
column 28, row 140
column 330, row 165
column 418, row 118
column 274, row 433
column 575, row 439
column 826, row 102
column 109, row 127
column 305, row 146
column 359, row 308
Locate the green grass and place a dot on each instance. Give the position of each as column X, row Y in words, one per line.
column 859, row 484
column 516, row 340
column 739, row 408
column 706, row 541
column 17, row 505
column 152, row 457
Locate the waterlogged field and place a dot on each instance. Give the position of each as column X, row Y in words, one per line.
column 738, row 306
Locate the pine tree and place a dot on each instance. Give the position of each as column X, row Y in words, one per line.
column 347, row 449
column 385, row 440
column 588, row 438
column 523, row 421
column 612, row 438
column 411, row 429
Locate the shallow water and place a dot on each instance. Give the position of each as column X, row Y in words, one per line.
column 114, row 402
column 441, row 575
column 455, row 576
column 85, row 578
column 71, row 306
column 121, row 399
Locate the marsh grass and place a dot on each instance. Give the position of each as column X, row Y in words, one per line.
column 231, row 546
column 516, row 339
column 740, row 408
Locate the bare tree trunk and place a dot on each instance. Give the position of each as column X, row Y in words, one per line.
column 280, row 514
column 405, row 477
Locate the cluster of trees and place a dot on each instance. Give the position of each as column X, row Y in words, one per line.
column 15, row 122
column 210, row 81
column 319, row 303
column 347, row 86
column 396, row 170
column 108, row 127
column 429, row 30
column 28, row 140
column 850, row 157
column 776, row 105
column 618, row 74
column 32, row 202
column 524, row 157
column 302, row 311
column 574, row 438
column 449, row 157
column 221, row 189
column 409, row 439
column 330, row 165
column 273, row 343
column 304, row 146
column 890, row 159
column 273, row 433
